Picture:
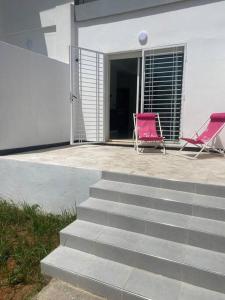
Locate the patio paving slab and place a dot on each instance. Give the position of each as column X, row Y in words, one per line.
column 60, row 290
column 209, row 168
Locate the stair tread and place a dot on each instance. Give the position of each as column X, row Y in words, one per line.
column 180, row 253
column 163, row 217
column 162, row 193
column 125, row 278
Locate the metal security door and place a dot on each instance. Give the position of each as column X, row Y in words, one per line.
column 87, row 95
column 162, row 84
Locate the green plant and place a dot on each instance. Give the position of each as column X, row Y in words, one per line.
column 27, row 235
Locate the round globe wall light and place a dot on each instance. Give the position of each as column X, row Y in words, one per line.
column 143, row 37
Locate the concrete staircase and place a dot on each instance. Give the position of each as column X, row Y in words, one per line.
column 145, row 238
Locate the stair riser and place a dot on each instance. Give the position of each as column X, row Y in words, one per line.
column 150, row 181
column 199, row 188
column 159, row 204
column 209, row 213
column 154, row 264
column 89, row 284
column 164, row 231
column 143, row 201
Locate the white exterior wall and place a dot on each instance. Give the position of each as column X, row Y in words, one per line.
column 200, row 26
column 54, row 188
column 34, row 99
column 38, row 25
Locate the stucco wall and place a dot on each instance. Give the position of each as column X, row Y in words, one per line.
column 204, row 83
column 34, row 99
column 41, row 26
column 53, row 188
column 198, row 24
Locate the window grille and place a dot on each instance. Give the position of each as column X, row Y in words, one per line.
column 163, row 80
column 78, row 2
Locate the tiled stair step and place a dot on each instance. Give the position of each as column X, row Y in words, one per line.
column 191, row 187
column 117, row 281
column 195, row 231
column 210, row 207
column 182, row 262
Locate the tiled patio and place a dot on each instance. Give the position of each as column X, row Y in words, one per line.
column 209, row 168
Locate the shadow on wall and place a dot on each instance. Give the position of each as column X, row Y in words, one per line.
column 31, row 24
column 147, row 12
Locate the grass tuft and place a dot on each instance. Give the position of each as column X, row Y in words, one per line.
column 27, row 235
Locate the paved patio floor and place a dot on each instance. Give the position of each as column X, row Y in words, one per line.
column 59, row 290
column 209, row 168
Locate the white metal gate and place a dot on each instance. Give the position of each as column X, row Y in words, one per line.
column 162, row 84
column 87, row 95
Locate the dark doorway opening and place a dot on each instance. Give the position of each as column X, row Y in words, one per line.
column 123, row 90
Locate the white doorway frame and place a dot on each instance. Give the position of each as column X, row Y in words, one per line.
column 138, row 84
column 138, row 53
column 117, row 56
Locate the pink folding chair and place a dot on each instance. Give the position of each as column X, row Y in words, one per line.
column 145, row 130
column 209, row 131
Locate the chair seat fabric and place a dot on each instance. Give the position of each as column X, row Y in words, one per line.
column 146, row 127
column 192, row 141
column 146, row 116
column 151, row 138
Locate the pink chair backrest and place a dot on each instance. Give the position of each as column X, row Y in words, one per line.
column 146, row 125
column 217, row 121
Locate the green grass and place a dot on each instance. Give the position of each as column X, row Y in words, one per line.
column 27, row 235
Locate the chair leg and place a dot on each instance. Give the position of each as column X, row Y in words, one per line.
column 197, row 155
column 188, row 157
column 164, row 148
column 223, row 151
column 134, row 140
column 219, row 151
column 138, row 151
column 182, row 148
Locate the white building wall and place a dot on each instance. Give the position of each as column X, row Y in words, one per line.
column 43, row 26
column 198, row 24
column 34, row 99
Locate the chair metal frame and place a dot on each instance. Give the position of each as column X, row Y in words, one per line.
column 206, row 146
column 138, row 143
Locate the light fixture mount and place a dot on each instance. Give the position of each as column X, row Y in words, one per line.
column 143, row 37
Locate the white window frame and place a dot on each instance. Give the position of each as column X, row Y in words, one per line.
column 161, row 47
column 138, row 53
